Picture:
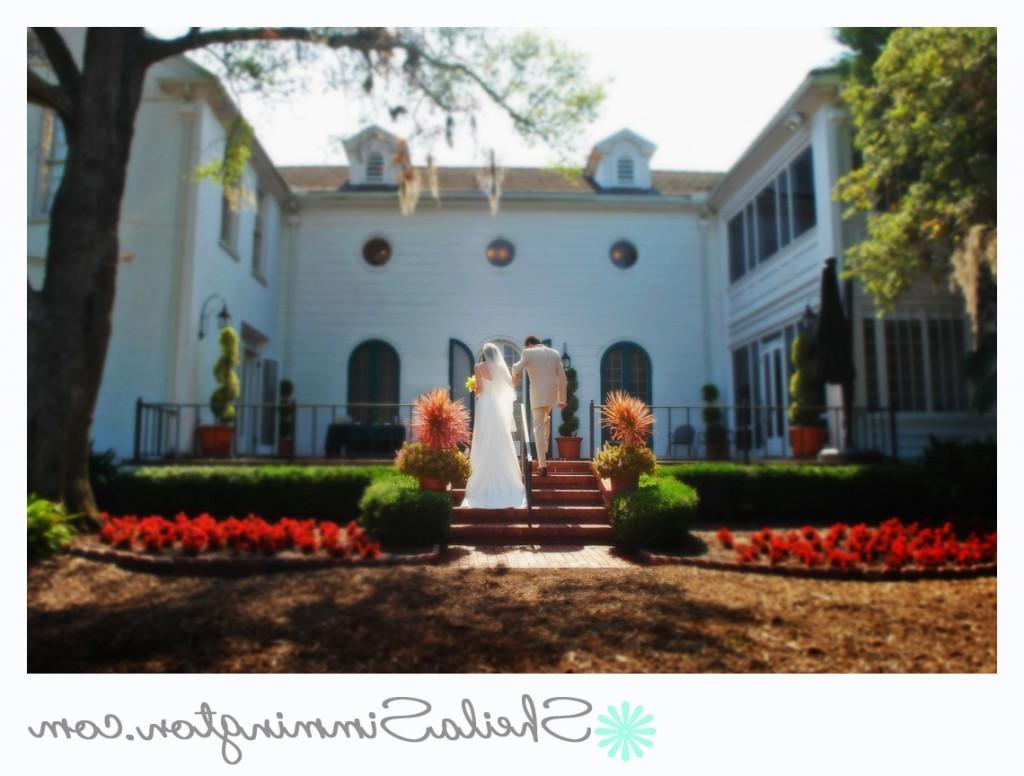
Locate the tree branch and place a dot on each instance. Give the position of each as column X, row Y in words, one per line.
column 42, row 92
column 63, row 64
column 364, row 39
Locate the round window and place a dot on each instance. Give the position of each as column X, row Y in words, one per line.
column 500, row 253
column 623, row 254
column 377, row 251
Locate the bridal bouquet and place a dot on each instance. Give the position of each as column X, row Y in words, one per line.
column 471, row 383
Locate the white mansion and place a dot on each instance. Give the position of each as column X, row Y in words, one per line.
column 655, row 281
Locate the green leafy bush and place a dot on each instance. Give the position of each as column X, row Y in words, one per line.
column 624, row 460
column 447, row 465
column 961, row 475
column 103, row 473
column 803, row 385
column 397, row 513
column 50, row 528
column 222, row 400
column 794, row 493
column 324, row 492
column 658, row 514
column 570, row 423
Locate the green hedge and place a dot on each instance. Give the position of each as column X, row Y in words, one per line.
column 325, row 492
column 798, row 493
column 398, row 513
column 658, row 514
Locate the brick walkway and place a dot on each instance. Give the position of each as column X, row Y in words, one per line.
column 534, row 556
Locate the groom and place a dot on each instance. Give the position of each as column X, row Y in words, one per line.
column 547, row 387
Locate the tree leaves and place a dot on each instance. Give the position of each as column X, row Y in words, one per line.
column 925, row 124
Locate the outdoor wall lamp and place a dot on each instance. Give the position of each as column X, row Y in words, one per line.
column 809, row 320
column 566, row 359
column 223, row 317
column 794, row 121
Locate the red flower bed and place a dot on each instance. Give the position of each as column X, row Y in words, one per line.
column 192, row 536
column 892, row 545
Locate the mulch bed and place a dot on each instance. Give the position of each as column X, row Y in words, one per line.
column 85, row 616
column 228, row 564
column 708, row 553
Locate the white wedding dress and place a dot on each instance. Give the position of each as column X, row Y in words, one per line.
column 496, row 481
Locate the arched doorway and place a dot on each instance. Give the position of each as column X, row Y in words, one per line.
column 625, row 366
column 373, row 378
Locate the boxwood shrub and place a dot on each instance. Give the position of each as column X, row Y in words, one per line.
column 397, row 513
column 799, row 493
column 324, row 492
column 658, row 514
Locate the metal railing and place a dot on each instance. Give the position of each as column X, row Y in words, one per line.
column 753, row 430
column 526, row 461
column 172, row 431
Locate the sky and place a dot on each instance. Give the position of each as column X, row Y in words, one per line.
column 701, row 95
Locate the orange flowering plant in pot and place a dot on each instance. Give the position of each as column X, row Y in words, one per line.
column 440, row 425
column 627, row 456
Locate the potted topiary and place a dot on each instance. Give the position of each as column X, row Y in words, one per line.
column 567, row 440
column 441, row 425
column 807, row 431
column 215, row 440
column 626, row 456
column 286, row 420
column 716, row 436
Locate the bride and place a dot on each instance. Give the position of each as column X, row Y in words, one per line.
column 496, row 480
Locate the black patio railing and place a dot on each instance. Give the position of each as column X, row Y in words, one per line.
column 746, row 431
column 170, row 431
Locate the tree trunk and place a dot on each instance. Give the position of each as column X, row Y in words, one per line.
column 69, row 319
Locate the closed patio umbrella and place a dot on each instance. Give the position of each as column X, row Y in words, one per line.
column 835, row 351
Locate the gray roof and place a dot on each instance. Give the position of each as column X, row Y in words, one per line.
column 518, row 180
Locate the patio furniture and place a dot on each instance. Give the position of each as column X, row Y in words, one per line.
column 682, row 435
column 363, row 439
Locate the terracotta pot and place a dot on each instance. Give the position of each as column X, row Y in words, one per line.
column 215, row 441
column 433, row 484
column 624, row 484
column 569, row 447
column 806, row 441
column 285, row 448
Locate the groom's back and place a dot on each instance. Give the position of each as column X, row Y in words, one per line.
column 540, row 362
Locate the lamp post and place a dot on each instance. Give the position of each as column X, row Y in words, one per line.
column 223, row 317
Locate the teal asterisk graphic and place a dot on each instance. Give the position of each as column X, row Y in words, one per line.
column 626, row 732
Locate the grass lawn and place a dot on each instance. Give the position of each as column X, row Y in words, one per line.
column 93, row 617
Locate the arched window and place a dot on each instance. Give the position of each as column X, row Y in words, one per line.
column 625, row 366
column 625, row 170
column 375, row 168
column 373, row 371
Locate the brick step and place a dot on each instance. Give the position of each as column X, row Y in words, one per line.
column 540, row 514
column 566, row 467
column 564, row 482
column 562, row 533
column 568, row 497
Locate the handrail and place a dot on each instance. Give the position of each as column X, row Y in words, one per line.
column 526, row 460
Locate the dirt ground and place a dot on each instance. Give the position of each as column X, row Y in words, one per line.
column 85, row 616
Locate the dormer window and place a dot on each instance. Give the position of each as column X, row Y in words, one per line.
column 625, row 171
column 373, row 158
column 375, row 168
column 621, row 162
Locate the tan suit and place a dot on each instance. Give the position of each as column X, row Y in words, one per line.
column 547, row 389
